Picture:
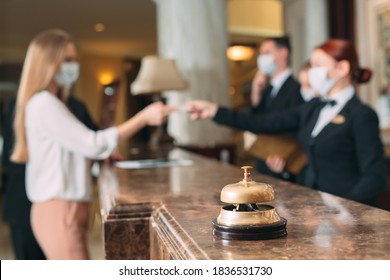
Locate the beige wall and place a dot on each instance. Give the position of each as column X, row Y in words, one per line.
column 255, row 18
column 13, row 54
column 89, row 88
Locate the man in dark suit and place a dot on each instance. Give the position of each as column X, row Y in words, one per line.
column 274, row 89
column 16, row 204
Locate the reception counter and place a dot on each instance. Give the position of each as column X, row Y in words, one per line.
column 166, row 213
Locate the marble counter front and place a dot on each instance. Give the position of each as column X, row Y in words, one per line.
column 166, row 213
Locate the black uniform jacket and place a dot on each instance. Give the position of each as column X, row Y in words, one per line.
column 288, row 96
column 346, row 158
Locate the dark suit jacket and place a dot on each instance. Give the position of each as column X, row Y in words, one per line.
column 16, row 204
column 289, row 96
column 347, row 158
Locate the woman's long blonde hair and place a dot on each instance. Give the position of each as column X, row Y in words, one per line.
column 44, row 55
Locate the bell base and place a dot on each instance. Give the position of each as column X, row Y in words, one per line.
column 251, row 232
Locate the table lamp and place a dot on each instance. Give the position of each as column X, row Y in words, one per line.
column 158, row 74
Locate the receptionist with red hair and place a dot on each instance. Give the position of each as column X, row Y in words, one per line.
column 339, row 134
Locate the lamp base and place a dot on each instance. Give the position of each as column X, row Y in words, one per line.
column 160, row 138
column 250, row 232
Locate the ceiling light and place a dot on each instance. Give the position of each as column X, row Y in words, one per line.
column 105, row 78
column 240, row 53
column 99, row 27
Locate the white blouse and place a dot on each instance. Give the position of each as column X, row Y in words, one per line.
column 59, row 146
column 329, row 112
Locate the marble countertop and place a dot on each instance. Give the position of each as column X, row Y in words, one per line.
column 186, row 199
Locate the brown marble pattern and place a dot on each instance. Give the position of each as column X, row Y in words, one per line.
column 184, row 200
column 126, row 232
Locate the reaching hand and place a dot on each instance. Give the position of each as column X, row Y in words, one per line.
column 156, row 113
column 201, row 109
column 276, row 163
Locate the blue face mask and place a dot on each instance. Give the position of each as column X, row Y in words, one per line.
column 68, row 74
column 319, row 80
column 266, row 64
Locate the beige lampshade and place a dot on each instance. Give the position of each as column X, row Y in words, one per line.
column 157, row 74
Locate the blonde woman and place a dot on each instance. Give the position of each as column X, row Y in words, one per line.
column 56, row 146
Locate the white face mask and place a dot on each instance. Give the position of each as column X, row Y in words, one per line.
column 307, row 94
column 319, row 81
column 266, row 64
column 68, row 74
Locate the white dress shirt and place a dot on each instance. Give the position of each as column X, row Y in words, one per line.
column 59, row 146
column 328, row 112
column 278, row 81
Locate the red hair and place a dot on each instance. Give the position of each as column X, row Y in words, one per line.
column 340, row 50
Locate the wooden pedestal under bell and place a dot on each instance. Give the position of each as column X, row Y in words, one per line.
column 247, row 218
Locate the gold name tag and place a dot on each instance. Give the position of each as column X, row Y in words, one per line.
column 339, row 119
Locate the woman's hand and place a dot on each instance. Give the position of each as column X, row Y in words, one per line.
column 155, row 113
column 201, row 109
